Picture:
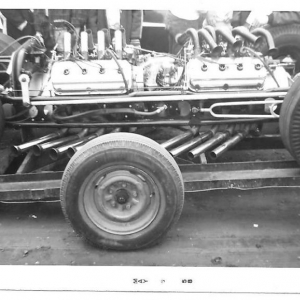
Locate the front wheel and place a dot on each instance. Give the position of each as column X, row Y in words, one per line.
column 122, row 191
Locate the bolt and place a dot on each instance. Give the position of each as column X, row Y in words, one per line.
column 128, row 206
column 110, row 191
column 258, row 66
column 113, row 204
column 122, row 200
column 134, row 193
column 124, row 185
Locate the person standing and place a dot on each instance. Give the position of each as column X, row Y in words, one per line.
column 178, row 21
column 52, row 23
column 129, row 20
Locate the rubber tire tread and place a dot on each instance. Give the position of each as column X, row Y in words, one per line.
column 289, row 121
column 109, row 139
column 284, row 36
column 2, row 120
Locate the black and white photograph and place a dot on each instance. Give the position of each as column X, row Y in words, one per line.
column 162, row 140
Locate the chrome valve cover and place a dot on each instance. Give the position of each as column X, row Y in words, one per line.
column 81, row 77
column 225, row 73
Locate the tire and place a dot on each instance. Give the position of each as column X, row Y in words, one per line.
column 2, row 120
column 287, row 40
column 289, row 120
column 122, row 191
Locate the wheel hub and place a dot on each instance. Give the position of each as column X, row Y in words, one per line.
column 121, row 201
column 122, row 196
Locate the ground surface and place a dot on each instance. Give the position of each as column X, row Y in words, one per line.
column 257, row 228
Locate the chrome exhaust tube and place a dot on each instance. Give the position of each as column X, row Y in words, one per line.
column 245, row 33
column 26, row 146
column 117, row 129
column 55, row 153
column 215, row 140
column 204, row 136
column 270, row 41
column 76, row 146
column 227, row 145
column 101, row 44
column 84, row 45
column 90, row 40
column 211, row 31
column 215, row 49
column 182, row 37
column 72, row 150
column 236, row 44
column 180, row 138
column 39, row 149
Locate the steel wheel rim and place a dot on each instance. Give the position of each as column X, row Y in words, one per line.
column 120, row 200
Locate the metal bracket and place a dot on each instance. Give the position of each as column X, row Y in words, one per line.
column 24, row 80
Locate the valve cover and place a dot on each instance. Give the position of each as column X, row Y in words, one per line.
column 81, row 77
column 225, row 73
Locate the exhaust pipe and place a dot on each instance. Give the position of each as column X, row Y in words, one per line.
column 270, row 41
column 24, row 147
column 72, row 149
column 228, row 144
column 245, row 33
column 216, row 139
column 90, row 40
column 118, row 43
column 101, row 44
column 55, row 153
column 236, row 44
column 211, row 31
column 204, row 136
column 182, row 37
column 215, row 49
column 84, row 45
column 180, row 138
column 117, row 129
column 39, row 149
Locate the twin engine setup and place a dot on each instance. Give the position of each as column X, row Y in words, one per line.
column 122, row 69
column 218, row 81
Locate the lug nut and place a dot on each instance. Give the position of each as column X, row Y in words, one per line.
column 128, row 206
column 113, row 204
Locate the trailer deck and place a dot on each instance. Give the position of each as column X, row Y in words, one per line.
column 45, row 186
